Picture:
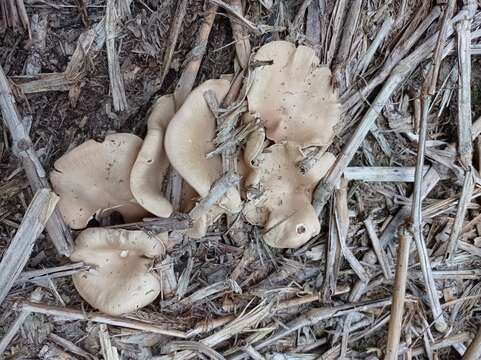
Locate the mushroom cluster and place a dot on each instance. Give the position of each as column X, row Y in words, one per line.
column 292, row 99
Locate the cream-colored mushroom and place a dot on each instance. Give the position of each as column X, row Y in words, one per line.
column 94, row 178
column 150, row 168
column 293, row 96
column 280, row 195
column 189, row 137
column 120, row 279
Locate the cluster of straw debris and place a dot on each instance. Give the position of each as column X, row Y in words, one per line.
column 386, row 266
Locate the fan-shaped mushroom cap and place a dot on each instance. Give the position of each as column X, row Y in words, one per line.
column 284, row 195
column 94, row 176
column 150, row 167
column 294, row 96
column 189, row 137
column 120, row 280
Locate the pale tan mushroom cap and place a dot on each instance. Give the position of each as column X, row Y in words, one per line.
column 284, row 205
column 120, row 280
column 94, row 176
column 150, row 167
column 294, row 96
column 189, row 137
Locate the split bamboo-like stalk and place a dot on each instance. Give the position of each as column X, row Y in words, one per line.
column 398, row 296
column 473, row 352
column 21, row 246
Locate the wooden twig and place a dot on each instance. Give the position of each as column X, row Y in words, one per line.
column 349, row 29
column 109, row 352
column 117, row 89
column 189, row 74
column 256, row 29
column 17, row 324
column 473, row 352
column 35, row 276
column 177, row 221
column 241, row 37
column 381, row 174
column 417, row 228
column 376, row 43
column 37, row 178
column 73, row 314
column 463, row 203
column 398, row 296
column 218, row 190
column 378, row 249
column 332, row 258
column 437, row 57
column 83, row 13
column 195, row 346
column 463, row 30
column 337, row 20
column 70, row 347
column 174, row 31
column 341, row 216
column 21, row 246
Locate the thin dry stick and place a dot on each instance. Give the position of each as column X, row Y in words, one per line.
column 464, row 201
column 376, row 43
column 398, row 296
column 332, row 258
column 341, row 215
column 70, row 346
column 242, row 43
column 416, row 216
column 37, row 178
column 465, row 145
column 18, row 252
column 381, row 173
column 349, row 29
column 109, row 352
column 51, row 273
column 189, row 74
column 198, row 347
column 174, row 32
column 73, row 314
column 336, row 23
column 437, row 57
column 378, row 250
column 473, row 352
column 17, row 324
column 218, row 190
column 117, row 89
